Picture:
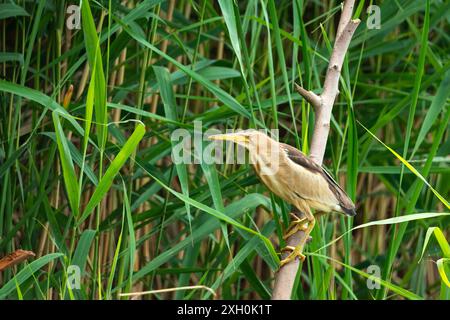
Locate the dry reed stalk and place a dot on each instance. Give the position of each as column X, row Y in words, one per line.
column 15, row 258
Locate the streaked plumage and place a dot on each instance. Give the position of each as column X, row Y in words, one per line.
column 294, row 177
column 320, row 180
column 298, row 180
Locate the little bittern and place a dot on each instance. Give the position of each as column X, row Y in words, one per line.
column 294, row 177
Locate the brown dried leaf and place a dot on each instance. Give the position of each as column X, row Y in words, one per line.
column 15, row 258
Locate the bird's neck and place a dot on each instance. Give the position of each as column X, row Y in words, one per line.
column 266, row 159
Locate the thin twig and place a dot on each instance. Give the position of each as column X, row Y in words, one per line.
column 310, row 96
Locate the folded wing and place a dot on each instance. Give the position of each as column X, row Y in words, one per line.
column 317, row 186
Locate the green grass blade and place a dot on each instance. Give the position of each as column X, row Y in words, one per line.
column 282, row 62
column 11, row 56
column 394, row 220
column 394, row 288
column 114, row 262
column 411, row 168
column 234, row 27
column 223, row 96
column 8, row 10
column 210, row 173
column 95, row 63
column 207, row 227
column 113, row 169
column 131, row 238
column 440, row 237
column 254, row 281
column 239, row 258
column 88, row 120
column 170, row 109
column 70, row 178
column 219, row 215
column 441, row 268
column 26, row 273
column 79, row 259
column 271, row 67
column 418, row 79
column 436, row 107
column 41, row 99
column 230, row 21
column 81, row 254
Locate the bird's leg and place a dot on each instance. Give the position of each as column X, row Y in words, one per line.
column 294, row 253
column 297, row 250
column 296, row 225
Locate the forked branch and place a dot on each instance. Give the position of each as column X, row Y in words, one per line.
column 323, row 106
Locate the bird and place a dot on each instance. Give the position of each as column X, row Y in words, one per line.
column 294, row 177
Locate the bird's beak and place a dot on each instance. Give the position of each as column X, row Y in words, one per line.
column 235, row 137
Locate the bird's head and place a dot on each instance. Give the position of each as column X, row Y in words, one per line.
column 250, row 139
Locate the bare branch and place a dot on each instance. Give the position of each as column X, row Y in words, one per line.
column 323, row 106
column 346, row 16
column 285, row 278
column 330, row 91
column 309, row 96
column 330, row 87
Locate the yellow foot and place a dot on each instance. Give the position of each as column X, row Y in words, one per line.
column 295, row 253
column 295, row 226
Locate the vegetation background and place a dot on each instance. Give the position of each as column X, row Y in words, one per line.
column 86, row 177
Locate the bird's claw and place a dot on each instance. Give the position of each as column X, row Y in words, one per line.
column 295, row 226
column 295, row 253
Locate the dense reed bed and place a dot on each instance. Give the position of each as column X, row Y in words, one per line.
column 87, row 116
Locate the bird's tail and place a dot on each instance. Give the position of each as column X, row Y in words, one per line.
column 349, row 211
